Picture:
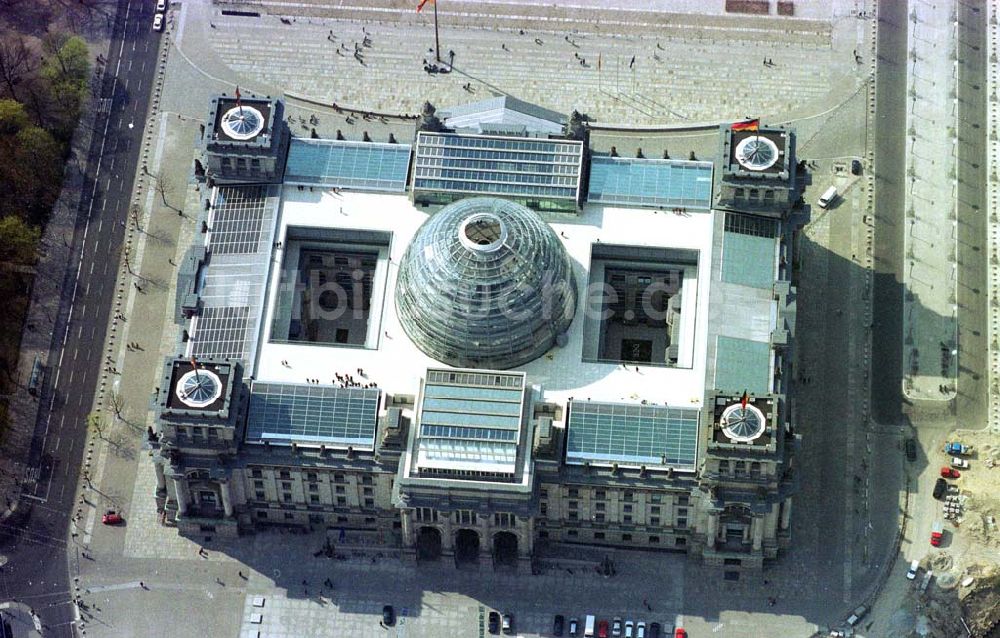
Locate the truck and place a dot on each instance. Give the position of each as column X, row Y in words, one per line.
column 954, row 448
column 960, row 463
column 937, row 533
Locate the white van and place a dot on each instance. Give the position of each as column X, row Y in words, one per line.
column 588, row 627
column 827, row 197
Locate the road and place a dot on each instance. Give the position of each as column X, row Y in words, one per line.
column 37, row 570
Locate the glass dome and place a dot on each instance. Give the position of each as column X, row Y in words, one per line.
column 242, row 122
column 485, row 283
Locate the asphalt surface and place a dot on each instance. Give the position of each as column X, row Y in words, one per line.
column 37, row 569
column 890, row 165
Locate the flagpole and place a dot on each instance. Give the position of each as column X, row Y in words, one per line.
column 437, row 37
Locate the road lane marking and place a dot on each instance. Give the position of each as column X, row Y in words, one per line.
column 88, row 528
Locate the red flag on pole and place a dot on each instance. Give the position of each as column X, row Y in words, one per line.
column 422, row 3
column 238, row 103
column 746, row 125
column 744, row 400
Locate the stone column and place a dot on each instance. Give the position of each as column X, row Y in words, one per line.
column 227, row 499
column 786, row 513
column 713, row 529
column 161, row 479
column 183, row 495
column 757, row 532
column 447, row 539
column 407, row 526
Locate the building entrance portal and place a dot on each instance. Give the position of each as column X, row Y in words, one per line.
column 505, row 548
column 429, row 543
column 467, row 546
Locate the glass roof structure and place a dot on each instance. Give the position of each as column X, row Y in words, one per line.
column 632, row 434
column 470, row 421
column 242, row 122
column 748, row 260
column 515, row 167
column 354, row 165
column 285, row 412
column 232, row 283
column 650, row 183
column 742, row 364
column 485, row 283
column 756, row 153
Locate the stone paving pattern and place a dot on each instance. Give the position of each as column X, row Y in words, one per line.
column 993, row 166
column 930, row 321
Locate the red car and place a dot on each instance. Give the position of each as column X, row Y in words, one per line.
column 949, row 472
column 602, row 629
column 680, row 633
column 112, row 517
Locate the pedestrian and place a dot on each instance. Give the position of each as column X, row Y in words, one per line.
column 142, row 585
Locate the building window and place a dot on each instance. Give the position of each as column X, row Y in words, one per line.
column 599, row 517
column 369, row 520
column 543, row 493
column 503, row 519
column 465, row 517
column 741, row 468
column 628, row 497
column 627, row 518
column 654, row 520
column 255, row 162
column 284, row 474
column 598, row 536
column 755, row 469
column 314, row 498
column 543, row 509
column 261, row 514
column 682, row 522
column 313, row 487
column 627, row 508
column 573, row 505
column 397, row 525
column 259, row 494
column 573, row 492
column 599, row 507
column 368, row 491
column 426, row 514
column 289, row 516
column 198, row 433
column 573, row 516
column 213, row 433
column 369, row 502
column 342, row 501
column 286, row 486
column 366, row 480
column 338, row 478
column 682, row 499
column 339, row 489
column 258, row 485
column 311, row 476
column 654, row 540
column 739, row 193
column 256, row 473
column 682, row 511
column 341, row 519
column 572, row 533
column 286, row 496
column 655, row 510
column 600, row 495
column 723, row 467
column 655, row 498
column 543, row 533
column 626, row 538
column 680, row 541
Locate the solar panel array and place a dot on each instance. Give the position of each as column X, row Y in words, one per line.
column 237, row 221
column 650, row 183
column 628, row 433
column 221, row 332
column 342, row 164
column 498, row 165
column 285, row 412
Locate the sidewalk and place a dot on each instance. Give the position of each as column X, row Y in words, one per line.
column 930, row 311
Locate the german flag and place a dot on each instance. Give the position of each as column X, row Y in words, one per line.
column 422, row 3
column 744, row 400
column 745, row 125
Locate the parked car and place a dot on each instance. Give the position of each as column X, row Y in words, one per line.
column 640, row 629
column 911, row 450
column 602, row 629
column 616, row 627
column 680, row 632
column 161, row 5
column 911, row 573
column 629, row 629
column 855, row 167
column 856, row 615
column 949, row 472
column 557, row 625
column 494, row 622
column 940, row 487
column 961, row 464
column 112, row 517
column 574, row 626
column 937, row 533
column 954, row 448
column 654, row 630
column 388, row 616
column 158, row 22
column 507, row 623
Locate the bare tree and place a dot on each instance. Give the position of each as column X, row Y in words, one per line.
column 163, row 184
column 17, row 62
column 97, row 423
column 117, row 403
